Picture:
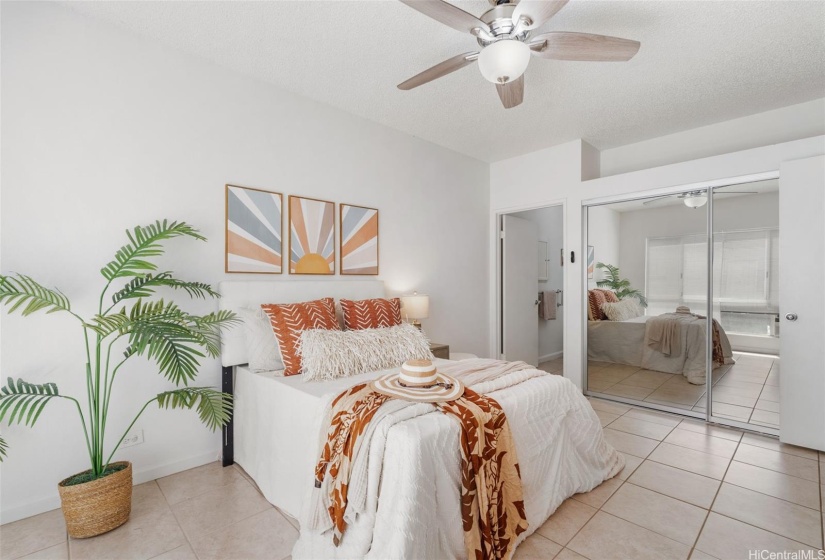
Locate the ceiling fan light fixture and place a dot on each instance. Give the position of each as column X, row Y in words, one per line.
column 504, row 61
column 695, row 201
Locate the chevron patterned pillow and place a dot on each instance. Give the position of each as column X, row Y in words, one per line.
column 375, row 313
column 290, row 320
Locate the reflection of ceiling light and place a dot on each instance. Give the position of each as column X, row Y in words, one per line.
column 695, row 200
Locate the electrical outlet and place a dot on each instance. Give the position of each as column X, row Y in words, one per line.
column 134, row 438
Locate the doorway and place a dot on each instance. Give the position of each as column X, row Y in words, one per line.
column 530, row 282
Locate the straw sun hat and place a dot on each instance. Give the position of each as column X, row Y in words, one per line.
column 419, row 381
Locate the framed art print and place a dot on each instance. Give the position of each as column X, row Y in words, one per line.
column 359, row 239
column 253, row 230
column 311, row 236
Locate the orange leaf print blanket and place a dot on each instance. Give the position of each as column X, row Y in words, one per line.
column 492, row 504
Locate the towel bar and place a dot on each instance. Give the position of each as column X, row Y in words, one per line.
column 559, row 300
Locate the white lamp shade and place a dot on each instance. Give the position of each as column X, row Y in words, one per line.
column 696, row 201
column 416, row 306
column 504, row 61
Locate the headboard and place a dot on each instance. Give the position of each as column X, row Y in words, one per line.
column 237, row 294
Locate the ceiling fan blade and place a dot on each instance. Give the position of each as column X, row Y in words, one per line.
column 537, row 11
column 656, row 200
column 448, row 14
column 441, row 69
column 566, row 45
column 511, row 93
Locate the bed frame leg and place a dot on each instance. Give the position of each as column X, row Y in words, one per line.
column 228, row 453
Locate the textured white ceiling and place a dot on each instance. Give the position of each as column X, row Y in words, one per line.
column 700, row 62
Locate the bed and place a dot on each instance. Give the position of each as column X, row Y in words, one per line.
column 413, row 485
column 623, row 342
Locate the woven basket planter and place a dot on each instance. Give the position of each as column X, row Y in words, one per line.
column 95, row 507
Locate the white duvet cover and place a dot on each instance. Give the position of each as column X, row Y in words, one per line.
column 411, row 506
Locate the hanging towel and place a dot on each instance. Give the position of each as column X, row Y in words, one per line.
column 547, row 306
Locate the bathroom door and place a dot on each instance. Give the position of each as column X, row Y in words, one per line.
column 519, row 297
column 801, row 302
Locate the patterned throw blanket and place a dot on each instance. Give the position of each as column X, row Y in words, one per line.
column 492, row 505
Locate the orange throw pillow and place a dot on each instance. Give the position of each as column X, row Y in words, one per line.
column 371, row 313
column 610, row 296
column 595, row 300
column 290, row 320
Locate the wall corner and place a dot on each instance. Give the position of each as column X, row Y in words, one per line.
column 590, row 161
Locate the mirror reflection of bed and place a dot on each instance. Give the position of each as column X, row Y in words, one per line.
column 647, row 302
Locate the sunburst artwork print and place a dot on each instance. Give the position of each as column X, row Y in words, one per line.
column 253, row 230
column 359, row 240
column 311, row 236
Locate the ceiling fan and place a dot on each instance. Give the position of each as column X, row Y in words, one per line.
column 693, row 199
column 504, row 33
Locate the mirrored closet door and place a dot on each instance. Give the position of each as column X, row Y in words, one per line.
column 647, row 284
column 706, row 302
column 746, row 304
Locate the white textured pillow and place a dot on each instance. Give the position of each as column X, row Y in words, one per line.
column 331, row 354
column 623, row 310
column 261, row 345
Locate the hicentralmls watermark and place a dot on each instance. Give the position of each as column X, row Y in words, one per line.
column 786, row 555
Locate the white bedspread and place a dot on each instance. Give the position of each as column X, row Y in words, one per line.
column 412, row 496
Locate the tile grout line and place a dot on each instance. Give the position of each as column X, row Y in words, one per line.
column 716, row 495
column 175, row 515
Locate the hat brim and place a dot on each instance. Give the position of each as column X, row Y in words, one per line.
column 391, row 385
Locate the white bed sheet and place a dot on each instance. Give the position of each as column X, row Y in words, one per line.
column 277, row 422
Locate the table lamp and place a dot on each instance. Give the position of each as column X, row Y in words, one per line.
column 415, row 307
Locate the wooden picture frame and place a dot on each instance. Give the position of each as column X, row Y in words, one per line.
column 359, row 235
column 253, row 230
column 311, row 236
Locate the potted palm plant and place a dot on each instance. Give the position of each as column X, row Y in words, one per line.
column 127, row 321
column 620, row 286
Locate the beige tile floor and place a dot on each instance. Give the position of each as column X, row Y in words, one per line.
column 747, row 391
column 553, row 366
column 689, row 490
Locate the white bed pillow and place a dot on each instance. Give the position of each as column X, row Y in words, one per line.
column 622, row 310
column 331, row 354
column 261, row 346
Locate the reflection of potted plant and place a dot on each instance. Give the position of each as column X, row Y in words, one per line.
column 619, row 286
column 99, row 499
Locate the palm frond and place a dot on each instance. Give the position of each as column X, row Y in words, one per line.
column 104, row 325
column 620, row 286
column 25, row 401
column 141, row 286
column 208, row 329
column 214, row 407
column 3, row 448
column 144, row 243
column 163, row 333
column 21, row 290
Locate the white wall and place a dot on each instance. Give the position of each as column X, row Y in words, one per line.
column 102, row 131
column 551, row 229
column 603, row 235
column 785, row 124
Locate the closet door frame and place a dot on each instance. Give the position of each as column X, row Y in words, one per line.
column 708, row 186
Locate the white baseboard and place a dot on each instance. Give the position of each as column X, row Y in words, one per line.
column 551, row 356
column 138, row 477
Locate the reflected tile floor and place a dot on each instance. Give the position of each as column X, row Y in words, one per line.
column 689, row 490
column 747, row 391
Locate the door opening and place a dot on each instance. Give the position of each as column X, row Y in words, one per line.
column 531, row 280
